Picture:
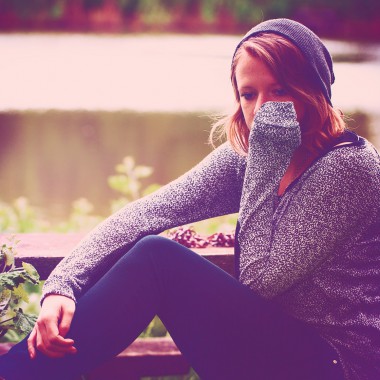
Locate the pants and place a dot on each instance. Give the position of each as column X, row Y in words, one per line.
column 223, row 329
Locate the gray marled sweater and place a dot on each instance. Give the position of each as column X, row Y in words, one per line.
column 315, row 250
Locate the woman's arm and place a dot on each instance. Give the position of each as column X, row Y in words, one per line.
column 210, row 189
column 334, row 200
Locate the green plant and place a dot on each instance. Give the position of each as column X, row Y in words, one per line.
column 81, row 217
column 128, row 182
column 21, row 216
column 13, row 292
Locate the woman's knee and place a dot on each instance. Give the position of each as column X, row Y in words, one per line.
column 152, row 241
column 148, row 249
column 154, row 244
column 162, row 252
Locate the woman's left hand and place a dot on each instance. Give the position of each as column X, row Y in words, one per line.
column 53, row 323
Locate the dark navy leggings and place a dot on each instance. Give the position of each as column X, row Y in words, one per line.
column 223, row 329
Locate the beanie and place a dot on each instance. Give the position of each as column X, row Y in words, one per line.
column 309, row 44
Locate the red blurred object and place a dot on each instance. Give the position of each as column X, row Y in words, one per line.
column 189, row 238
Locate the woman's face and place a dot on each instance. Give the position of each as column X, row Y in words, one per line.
column 257, row 85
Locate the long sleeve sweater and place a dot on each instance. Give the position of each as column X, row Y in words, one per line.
column 315, row 250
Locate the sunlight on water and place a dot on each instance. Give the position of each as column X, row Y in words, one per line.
column 168, row 73
column 144, row 73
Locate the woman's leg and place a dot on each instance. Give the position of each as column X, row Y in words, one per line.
column 224, row 330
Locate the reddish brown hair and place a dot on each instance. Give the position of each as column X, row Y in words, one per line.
column 288, row 65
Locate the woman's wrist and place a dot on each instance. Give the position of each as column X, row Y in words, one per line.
column 276, row 124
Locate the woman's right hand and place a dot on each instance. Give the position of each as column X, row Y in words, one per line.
column 53, row 324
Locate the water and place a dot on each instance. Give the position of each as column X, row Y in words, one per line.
column 165, row 73
column 55, row 157
column 142, row 73
column 72, row 106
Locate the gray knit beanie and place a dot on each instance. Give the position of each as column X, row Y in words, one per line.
column 308, row 42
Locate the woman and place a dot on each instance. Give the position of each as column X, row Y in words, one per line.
column 306, row 304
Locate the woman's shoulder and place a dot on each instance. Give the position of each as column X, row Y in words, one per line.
column 358, row 161
column 353, row 150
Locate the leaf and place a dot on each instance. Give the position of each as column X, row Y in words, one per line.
column 143, row 171
column 3, row 331
column 20, row 293
column 134, row 187
column 12, row 279
column 31, row 272
column 7, row 258
column 82, row 206
column 5, row 297
column 24, row 323
column 12, row 292
column 7, row 316
column 128, row 163
column 151, row 189
column 119, row 183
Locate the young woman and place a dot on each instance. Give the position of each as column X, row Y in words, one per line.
column 306, row 301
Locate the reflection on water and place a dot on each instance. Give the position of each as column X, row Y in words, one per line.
column 55, row 157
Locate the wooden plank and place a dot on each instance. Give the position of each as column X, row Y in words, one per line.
column 43, row 250
column 220, row 256
column 46, row 250
column 144, row 357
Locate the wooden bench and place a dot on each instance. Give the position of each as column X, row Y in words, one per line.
column 146, row 356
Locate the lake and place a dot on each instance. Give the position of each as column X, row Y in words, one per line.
column 73, row 105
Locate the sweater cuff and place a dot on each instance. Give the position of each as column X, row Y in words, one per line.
column 280, row 114
column 276, row 123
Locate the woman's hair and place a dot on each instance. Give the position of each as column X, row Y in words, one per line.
column 288, row 65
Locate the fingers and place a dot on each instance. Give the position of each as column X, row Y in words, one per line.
column 31, row 343
column 49, row 342
column 53, row 346
column 48, row 335
column 67, row 317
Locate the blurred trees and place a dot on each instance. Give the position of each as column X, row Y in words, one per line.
column 350, row 18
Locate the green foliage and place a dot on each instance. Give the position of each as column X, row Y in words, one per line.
column 158, row 12
column 26, row 8
column 129, row 7
column 14, row 294
column 92, row 4
column 155, row 328
column 154, row 12
column 20, row 216
column 128, row 182
column 81, row 217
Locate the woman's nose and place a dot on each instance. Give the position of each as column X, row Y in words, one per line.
column 261, row 99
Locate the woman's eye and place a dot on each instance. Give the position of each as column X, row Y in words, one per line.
column 279, row 92
column 247, row 95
